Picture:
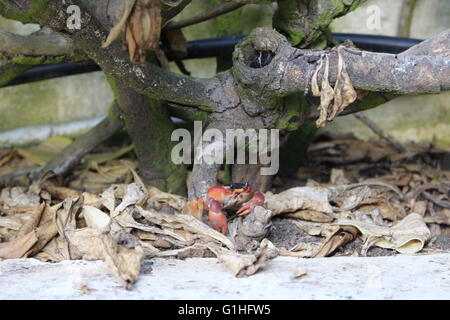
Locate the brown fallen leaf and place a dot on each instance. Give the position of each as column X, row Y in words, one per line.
column 338, row 238
column 123, row 262
column 56, row 250
column 45, row 232
column 157, row 199
column 17, row 197
column 18, row 247
column 61, row 192
column 240, row 264
column 46, row 150
column 176, row 42
column 326, row 96
column 441, row 217
column 408, row 236
column 300, row 198
column 33, row 222
column 96, row 219
column 309, row 215
column 119, row 27
column 301, row 250
column 134, row 195
column 186, row 222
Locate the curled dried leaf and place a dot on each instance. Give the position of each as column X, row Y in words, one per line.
column 241, row 264
column 326, row 95
column 119, row 27
column 123, row 261
column 338, row 238
column 343, row 93
column 407, row 236
column 300, row 198
column 96, row 219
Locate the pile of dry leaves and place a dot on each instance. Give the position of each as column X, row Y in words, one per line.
column 104, row 211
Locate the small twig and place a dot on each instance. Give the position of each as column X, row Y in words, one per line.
column 378, row 131
column 441, row 203
column 222, row 9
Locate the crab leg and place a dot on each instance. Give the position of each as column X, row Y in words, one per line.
column 257, row 200
column 216, row 217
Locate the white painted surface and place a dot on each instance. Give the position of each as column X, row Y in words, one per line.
column 398, row 277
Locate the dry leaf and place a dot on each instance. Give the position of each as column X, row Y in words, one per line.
column 338, row 238
column 134, row 195
column 407, row 236
column 118, row 28
column 141, row 21
column 33, row 241
column 61, row 192
column 312, row 228
column 301, row 250
column 309, row 215
column 176, row 42
column 18, row 247
column 46, row 150
column 240, row 264
column 17, row 197
column 157, row 199
column 96, row 219
column 294, row 199
column 186, row 222
column 58, row 249
column 343, row 93
column 326, row 96
column 123, row 262
column 33, row 222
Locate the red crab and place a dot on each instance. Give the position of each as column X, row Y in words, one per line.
column 237, row 196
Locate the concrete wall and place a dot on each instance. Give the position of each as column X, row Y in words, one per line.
column 54, row 101
column 87, row 96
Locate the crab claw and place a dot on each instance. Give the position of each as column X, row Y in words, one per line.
column 257, row 200
column 216, row 217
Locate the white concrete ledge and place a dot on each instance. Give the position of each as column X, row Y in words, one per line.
column 395, row 277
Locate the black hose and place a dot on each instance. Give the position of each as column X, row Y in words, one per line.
column 208, row 48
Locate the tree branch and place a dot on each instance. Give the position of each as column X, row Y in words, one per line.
column 45, row 44
column 438, row 46
column 149, row 80
column 291, row 69
column 221, row 9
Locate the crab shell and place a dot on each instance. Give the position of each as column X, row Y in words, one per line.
column 231, row 197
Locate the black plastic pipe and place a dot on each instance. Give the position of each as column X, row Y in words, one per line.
column 208, row 48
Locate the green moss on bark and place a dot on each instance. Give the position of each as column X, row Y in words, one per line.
column 150, row 129
column 31, row 12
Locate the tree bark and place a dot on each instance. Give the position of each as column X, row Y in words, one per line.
column 150, row 129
